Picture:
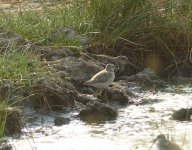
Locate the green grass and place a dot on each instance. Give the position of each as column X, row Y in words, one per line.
column 19, row 67
column 133, row 26
column 130, row 22
column 17, row 70
column 142, row 27
column 36, row 26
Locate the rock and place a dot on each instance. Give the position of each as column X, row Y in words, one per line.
column 78, row 71
column 114, row 96
column 13, row 123
column 147, row 77
column 84, row 40
column 59, row 121
column 52, row 92
column 120, row 62
column 9, row 40
column 85, row 98
column 9, row 35
column 54, row 55
column 50, row 54
column 6, row 146
column 88, row 90
column 183, row 114
column 144, row 76
column 63, row 32
column 97, row 112
column 70, row 33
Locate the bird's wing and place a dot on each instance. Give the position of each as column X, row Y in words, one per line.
column 101, row 77
column 173, row 146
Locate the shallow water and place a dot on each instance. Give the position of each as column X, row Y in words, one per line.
column 134, row 129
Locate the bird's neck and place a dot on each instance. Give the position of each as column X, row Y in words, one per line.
column 163, row 142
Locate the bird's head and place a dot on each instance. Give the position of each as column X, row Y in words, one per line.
column 122, row 60
column 160, row 137
column 110, row 67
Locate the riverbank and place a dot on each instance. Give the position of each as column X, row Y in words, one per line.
column 43, row 64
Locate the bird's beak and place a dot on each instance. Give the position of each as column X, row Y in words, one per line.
column 154, row 140
column 152, row 143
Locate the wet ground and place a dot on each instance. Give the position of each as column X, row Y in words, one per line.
column 134, row 129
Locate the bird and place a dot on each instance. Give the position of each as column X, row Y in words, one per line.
column 165, row 144
column 120, row 61
column 104, row 78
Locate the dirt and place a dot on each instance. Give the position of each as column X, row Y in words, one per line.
column 21, row 5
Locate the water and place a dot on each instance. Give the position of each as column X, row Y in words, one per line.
column 134, row 129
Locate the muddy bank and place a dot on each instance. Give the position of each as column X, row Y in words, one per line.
column 59, row 91
column 61, row 87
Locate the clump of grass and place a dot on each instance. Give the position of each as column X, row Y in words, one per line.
column 37, row 25
column 125, row 23
column 134, row 27
column 17, row 71
column 138, row 28
column 128, row 23
column 19, row 67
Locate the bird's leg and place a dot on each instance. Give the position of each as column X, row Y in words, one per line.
column 106, row 97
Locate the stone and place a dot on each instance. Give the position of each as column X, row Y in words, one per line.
column 59, row 121
column 85, row 98
column 97, row 112
column 147, row 77
column 120, row 62
column 52, row 93
column 77, row 70
column 183, row 114
column 6, row 146
column 13, row 122
column 114, row 96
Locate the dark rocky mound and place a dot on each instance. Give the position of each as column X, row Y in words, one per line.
column 5, row 145
column 147, row 78
column 97, row 112
column 59, row 121
column 76, row 70
column 53, row 93
column 114, row 96
column 183, row 114
column 13, row 123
